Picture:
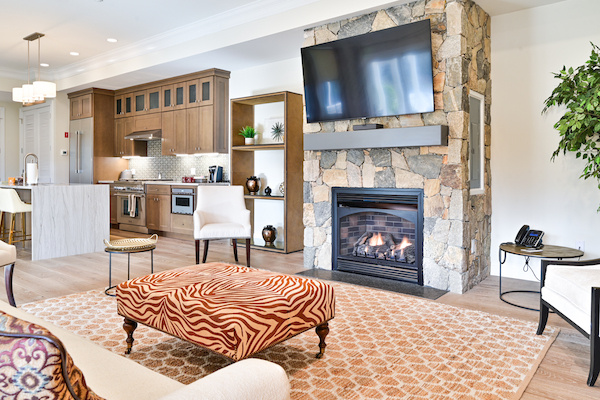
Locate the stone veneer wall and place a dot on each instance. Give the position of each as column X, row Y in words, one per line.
column 457, row 224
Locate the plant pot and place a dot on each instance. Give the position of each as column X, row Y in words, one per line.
column 253, row 185
column 269, row 233
column 249, row 140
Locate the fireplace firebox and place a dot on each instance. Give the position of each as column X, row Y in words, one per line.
column 378, row 232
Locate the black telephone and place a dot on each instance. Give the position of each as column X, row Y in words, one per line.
column 529, row 237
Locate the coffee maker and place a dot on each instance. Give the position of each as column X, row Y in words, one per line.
column 216, row 173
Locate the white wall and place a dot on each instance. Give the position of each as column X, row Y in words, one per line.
column 527, row 188
column 11, row 151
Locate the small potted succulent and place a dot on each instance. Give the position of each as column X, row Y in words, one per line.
column 277, row 131
column 248, row 133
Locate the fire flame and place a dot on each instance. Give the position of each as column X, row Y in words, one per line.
column 376, row 240
column 405, row 243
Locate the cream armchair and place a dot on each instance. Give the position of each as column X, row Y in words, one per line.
column 572, row 290
column 221, row 214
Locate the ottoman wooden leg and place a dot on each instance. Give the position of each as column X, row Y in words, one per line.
column 129, row 327
column 322, row 331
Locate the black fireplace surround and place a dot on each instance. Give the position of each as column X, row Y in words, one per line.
column 378, row 232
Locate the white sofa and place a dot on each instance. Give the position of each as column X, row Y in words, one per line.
column 115, row 377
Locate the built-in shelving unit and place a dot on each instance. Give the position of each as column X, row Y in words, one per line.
column 243, row 164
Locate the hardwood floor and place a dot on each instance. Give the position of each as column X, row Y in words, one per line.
column 561, row 375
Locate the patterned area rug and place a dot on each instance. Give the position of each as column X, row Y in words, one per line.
column 381, row 345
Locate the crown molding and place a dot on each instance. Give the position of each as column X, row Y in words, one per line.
column 13, row 73
column 220, row 22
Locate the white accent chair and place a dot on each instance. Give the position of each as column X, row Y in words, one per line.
column 8, row 256
column 573, row 293
column 10, row 202
column 221, row 214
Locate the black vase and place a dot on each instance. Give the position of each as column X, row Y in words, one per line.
column 252, row 184
column 268, row 191
column 269, row 233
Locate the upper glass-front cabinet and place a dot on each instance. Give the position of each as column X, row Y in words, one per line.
column 199, row 92
column 146, row 101
column 123, row 106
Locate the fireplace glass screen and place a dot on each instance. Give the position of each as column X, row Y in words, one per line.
column 378, row 235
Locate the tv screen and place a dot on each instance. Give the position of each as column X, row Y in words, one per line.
column 377, row 74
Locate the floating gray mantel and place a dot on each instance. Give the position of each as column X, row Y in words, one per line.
column 433, row 135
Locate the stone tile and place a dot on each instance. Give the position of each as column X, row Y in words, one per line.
column 354, row 177
column 432, row 187
column 322, row 212
column 428, row 165
column 309, row 257
column 433, row 206
column 453, row 46
column 408, row 180
column 368, row 175
column 435, row 118
column 451, row 176
column 401, row 15
column 358, row 26
column 311, row 170
column 307, row 196
column 398, row 160
column 381, row 157
column 382, row 21
column 308, row 237
column 324, row 256
column 324, row 36
column 340, row 162
column 308, row 215
column 328, row 159
column 441, row 231
column 385, row 178
column 335, row 177
column 356, row 157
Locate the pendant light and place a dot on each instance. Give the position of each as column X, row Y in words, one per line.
column 38, row 91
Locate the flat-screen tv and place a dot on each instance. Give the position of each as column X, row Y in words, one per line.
column 383, row 73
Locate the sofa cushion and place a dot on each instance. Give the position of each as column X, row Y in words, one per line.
column 569, row 290
column 31, row 366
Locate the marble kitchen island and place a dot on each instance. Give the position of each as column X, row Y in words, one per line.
column 66, row 219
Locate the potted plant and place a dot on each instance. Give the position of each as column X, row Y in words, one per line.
column 248, row 133
column 277, row 131
column 580, row 125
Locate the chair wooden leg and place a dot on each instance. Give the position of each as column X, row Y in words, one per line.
column 322, row 331
column 543, row 318
column 11, row 234
column 235, row 250
column 8, row 279
column 2, row 225
column 23, row 222
column 197, row 251
column 594, row 339
column 205, row 251
column 247, row 252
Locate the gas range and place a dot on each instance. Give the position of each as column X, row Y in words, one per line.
column 129, row 186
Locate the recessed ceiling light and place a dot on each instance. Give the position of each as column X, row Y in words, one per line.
column 111, row 61
column 44, row 65
column 111, row 40
column 74, row 53
column 81, row 70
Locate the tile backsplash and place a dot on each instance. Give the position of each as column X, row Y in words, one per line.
column 174, row 167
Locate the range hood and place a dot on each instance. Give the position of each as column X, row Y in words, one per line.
column 154, row 134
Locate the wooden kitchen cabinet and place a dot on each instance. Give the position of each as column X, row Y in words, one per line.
column 147, row 101
column 174, row 133
column 125, row 147
column 201, row 100
column 147, row 122
column 199, row 92
column 82, row 106
column 123, row 105
column 183, row 224
column 158, row 207
column 200, row 130
column 113, row 207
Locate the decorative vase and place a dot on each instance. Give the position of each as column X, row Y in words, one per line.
column 269, row 233
column 253, row 184
column 249, row 140
column 268, row 191
column 282, row 188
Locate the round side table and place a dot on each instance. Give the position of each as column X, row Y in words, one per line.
column 128, row 252
column 548, row 251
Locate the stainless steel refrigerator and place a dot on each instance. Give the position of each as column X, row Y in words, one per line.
column 81, row 151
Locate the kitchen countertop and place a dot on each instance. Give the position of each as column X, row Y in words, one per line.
column 173, row 183
column 29, row 187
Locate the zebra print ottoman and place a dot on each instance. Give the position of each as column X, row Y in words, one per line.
column 233, row 310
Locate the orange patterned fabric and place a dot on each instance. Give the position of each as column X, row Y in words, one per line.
column 233, row 310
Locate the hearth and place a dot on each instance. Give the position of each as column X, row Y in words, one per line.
column 378, row 232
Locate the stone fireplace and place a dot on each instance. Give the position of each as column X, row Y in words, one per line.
column 456, row 223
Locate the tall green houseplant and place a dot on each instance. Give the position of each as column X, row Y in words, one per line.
column 579, row 127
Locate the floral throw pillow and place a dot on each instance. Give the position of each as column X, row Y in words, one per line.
column 31, row 368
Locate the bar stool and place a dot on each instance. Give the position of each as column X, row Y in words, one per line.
column 10, row 202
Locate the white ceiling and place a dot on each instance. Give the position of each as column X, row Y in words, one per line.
column 230, row 34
